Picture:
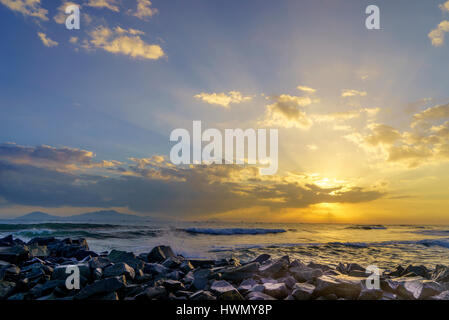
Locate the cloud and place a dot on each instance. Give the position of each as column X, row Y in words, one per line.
column 437, row 35
column 156, row 186
column 223, row 99
column 46, row 40
column 31, row 8
column 107, row 4
column 144, row 9
column 306, row 89
column 353, row 93
column 445, row 6
column 426, row 142
column 61, row 16
column 121, row 41
column 288, row 112
column 434, row 113
column 345, row 115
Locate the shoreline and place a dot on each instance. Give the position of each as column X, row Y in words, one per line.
column 39, row 270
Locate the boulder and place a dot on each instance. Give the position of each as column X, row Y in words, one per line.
column 262, row 258
column 46, row 288
column 275, row 269
column 160, row 253
column 202, row 263
column 172, row 262
column 440, row 274
column 241, row 273
column 99, row 262
column 15, row 255
column 61, row 272
column 158, row 292
column 417, row 289
column 102, row 287
column 6, row 289
column 155, row 269
column 201, row 278
column 442, row 296
column 186, row 266
column 276, row 290
column 220, row 287
column 246, row 285
column 370, row 294
column 303, row 291
column 342, row 286
column 305, row 274
column 38, row 251
column 173, row 285
column 119, row 269
column 259, row 296
column 129, row 258
column 202, row 295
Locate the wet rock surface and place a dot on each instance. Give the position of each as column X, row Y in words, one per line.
column 42, row 269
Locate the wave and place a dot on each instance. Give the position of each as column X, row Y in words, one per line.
column 232, row 231
column 366, row 227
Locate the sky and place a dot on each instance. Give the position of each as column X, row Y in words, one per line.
column 363, row 115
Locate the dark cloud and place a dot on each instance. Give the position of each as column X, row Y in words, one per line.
column 156, row 186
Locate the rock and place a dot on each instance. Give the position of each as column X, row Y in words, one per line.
column 440, row 274
column 352, row 269
column 174, row 275
column 257, row 288
column 172, row 262
column 113, row 296
column 173, row 285
column 275, row 269
column 370, row 294
column 306, row 274
column 6, row 289
column 342, row 286
column 42, row 241
column 414, row 271
column 442, row 296
column 246, row 285
column 102, row 287
column 201, row 278
column 97, row 274
column 241, row 273
column 389, row 296
column 119, row 269
column 7, row 241
column 45, row 288
column 297, row 264
column 303, row 291
column 151, row 293
column 289, row 281
column 129, row 258
column 322, row 267
column 262, row 258
column 202, row 263
column 202, row 295
column 276, row 290
column 160, row 253
column 10, row 273
column 258, row 296
column 38, row 251
column 399, row 271
column 155, row 269
column 15, row 255
column 186, row 266
column 417, row 289
column 99, row 262
column 225, row 290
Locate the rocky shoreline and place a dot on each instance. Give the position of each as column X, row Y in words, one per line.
column 37, row 270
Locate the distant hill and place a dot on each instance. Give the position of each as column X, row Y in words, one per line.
column 97, row 216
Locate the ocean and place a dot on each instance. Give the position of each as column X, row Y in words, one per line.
column 385, row 246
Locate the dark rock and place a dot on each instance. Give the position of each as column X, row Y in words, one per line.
column 414, row 271
column 37, row 251
column 241, row 273
column 173, row 285
column 45, row 288
column 172, row 262
column 7, row 241
column 352, row 269
column 262, row 258
column 201, row 278
column 160, row 253
column 155, row 269
column 305, row 274
column 225, row 291
column 297, row 264
column 41, row 241
column 370, row 294
column 99, row 262
column 112, row 296
column 246, row 285
column 303, row 291
column 322, row 267
column 440, row 274
column 119, row 269
column 60, row 272
column 186, row 266
column 6, row 289
column 276, row 290
column 202, row 263
column 15, row 255
column 97, row 274
column 442, row 296
column 399, row 271
column 275, row 269
column 151, row 293
column 202, row 295
column 129, row 258
column 289, row 281
column 258, row 296
column 342, row 286
column 102, row 287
